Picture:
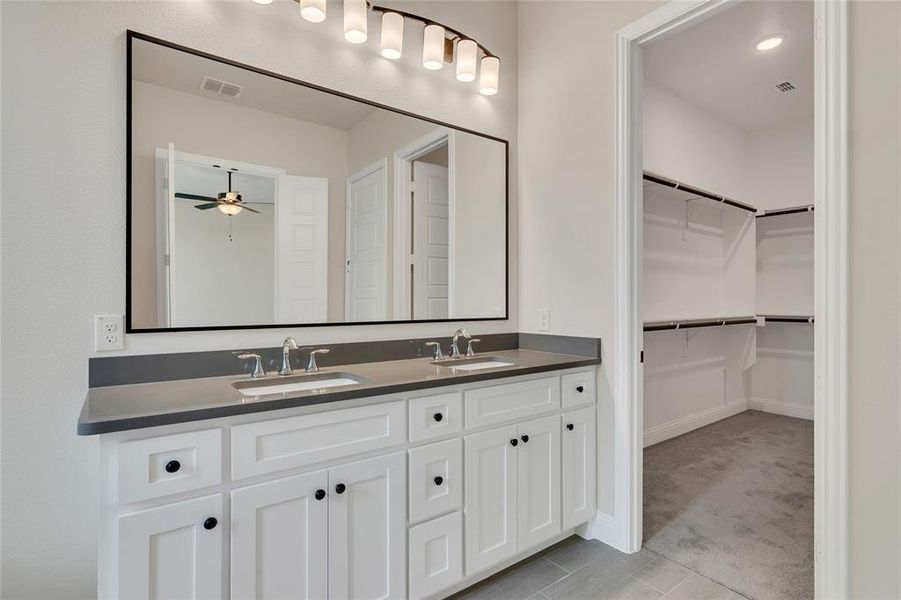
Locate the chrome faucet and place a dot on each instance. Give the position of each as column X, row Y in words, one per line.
column 258, row 370
column 469, row 350
column 436, row 350
column 312, row 367
column 455, row 348
column 289, row 344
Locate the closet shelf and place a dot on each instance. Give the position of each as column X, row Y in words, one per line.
column 692, row 323
column 786, row 211
column 695, row 191
column 787, row 318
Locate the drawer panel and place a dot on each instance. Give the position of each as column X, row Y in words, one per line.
column 436, row 479
column 269, row 446
column 436, row 555
column 171, row 464
column 435, row 416
column 578, row 388
column 511, row 401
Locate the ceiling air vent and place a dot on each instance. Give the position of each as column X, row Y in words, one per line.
column 785, row 87
column 223, row 88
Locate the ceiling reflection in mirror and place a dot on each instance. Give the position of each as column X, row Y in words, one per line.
column 258, row 201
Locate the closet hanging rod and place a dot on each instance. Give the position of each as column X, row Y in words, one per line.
column 788, row 318
column 693, row 323
column 648, row 176
column 786, row 211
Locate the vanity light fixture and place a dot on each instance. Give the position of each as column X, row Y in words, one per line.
column 313, row 10
column 769, row 42
column 355, row 21
column 439, row 42
column 392, row 42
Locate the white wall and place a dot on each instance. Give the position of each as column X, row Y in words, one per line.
column 780, row 166
column 63, row 228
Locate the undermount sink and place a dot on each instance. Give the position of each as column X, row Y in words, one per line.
column 474, row 363
column 296, row 383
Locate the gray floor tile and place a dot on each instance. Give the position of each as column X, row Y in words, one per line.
column 592, row 579
column 628, row 588
column 577, row 552
column 697, row 587
column 662, row 574
column 518, row 583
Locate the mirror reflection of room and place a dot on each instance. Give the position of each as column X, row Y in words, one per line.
column 257, row 201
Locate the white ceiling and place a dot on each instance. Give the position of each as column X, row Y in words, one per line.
column 183, row 72
column 716, row 65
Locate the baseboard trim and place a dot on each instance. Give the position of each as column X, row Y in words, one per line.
column 800, row 411
column 661, row 433
column 604, row 528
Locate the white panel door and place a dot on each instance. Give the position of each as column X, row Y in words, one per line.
column 301, row 251
column 431, row 237
column 490, row 497
column 174, row 551
column 578, row 477
column 367, row 529
column 367, row 279
column 279, row 539
column 538, row 481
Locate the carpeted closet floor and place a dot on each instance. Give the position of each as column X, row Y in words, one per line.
column 733, row 501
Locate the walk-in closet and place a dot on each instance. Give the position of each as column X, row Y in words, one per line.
column 728, row 298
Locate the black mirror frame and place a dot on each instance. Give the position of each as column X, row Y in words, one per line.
column 129, row 326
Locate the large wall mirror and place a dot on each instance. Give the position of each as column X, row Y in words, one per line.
column 259, row 201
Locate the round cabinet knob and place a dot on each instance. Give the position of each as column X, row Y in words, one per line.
column 173, row 466
column 320, row 494
column 210, row 523
column 340, row 488
column 525, row 439
column 580, row 389
column 570, row 426
column 439, row 480
column 438, row 417
column 514, row 442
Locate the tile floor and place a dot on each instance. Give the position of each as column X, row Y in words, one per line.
column 581, row 569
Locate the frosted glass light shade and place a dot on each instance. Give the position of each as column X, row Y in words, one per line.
column 433, row 47
column 467, row 54
column 491, row 67
column 392, row 35
column 263, row 1
column 230, row 209
column 313, row 10
column 355, row 18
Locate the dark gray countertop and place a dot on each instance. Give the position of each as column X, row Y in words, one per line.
column 125, row 407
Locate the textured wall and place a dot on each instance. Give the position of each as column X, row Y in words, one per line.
column 63, row 235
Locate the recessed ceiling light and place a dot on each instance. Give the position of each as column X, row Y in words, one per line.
column 769, row 42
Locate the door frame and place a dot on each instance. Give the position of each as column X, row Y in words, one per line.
column 403, row 171
column 624, row 529
column 369, row 170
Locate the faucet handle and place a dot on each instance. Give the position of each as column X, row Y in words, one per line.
column 258, row 370
column 437, row 354
column 469, row 350
column 312, row 367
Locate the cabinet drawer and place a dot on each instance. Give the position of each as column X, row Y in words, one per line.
column 436, row 479
column 269, row 446
column 507, row 402
column 578, row 388
column 436, row 555
column 435, row 416
column 171, row 464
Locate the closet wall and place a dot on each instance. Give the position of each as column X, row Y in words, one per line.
column 705, row 260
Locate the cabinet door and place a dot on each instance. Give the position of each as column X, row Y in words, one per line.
column 490, row 492
column 579, row 488
column 538, row 481
column 174, row 551
column 279, row 539
column 367, row 529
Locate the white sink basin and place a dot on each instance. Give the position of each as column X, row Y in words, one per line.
column 302, row 383
column 474, row 363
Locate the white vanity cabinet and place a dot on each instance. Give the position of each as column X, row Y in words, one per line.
column 392, row 497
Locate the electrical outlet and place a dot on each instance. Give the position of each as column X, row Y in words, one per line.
column 109, row 332
column 544, row 319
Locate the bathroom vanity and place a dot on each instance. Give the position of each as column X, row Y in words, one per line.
column 417, row 481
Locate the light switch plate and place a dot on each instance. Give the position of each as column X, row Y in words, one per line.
column 109, row 332
column 544, row 319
